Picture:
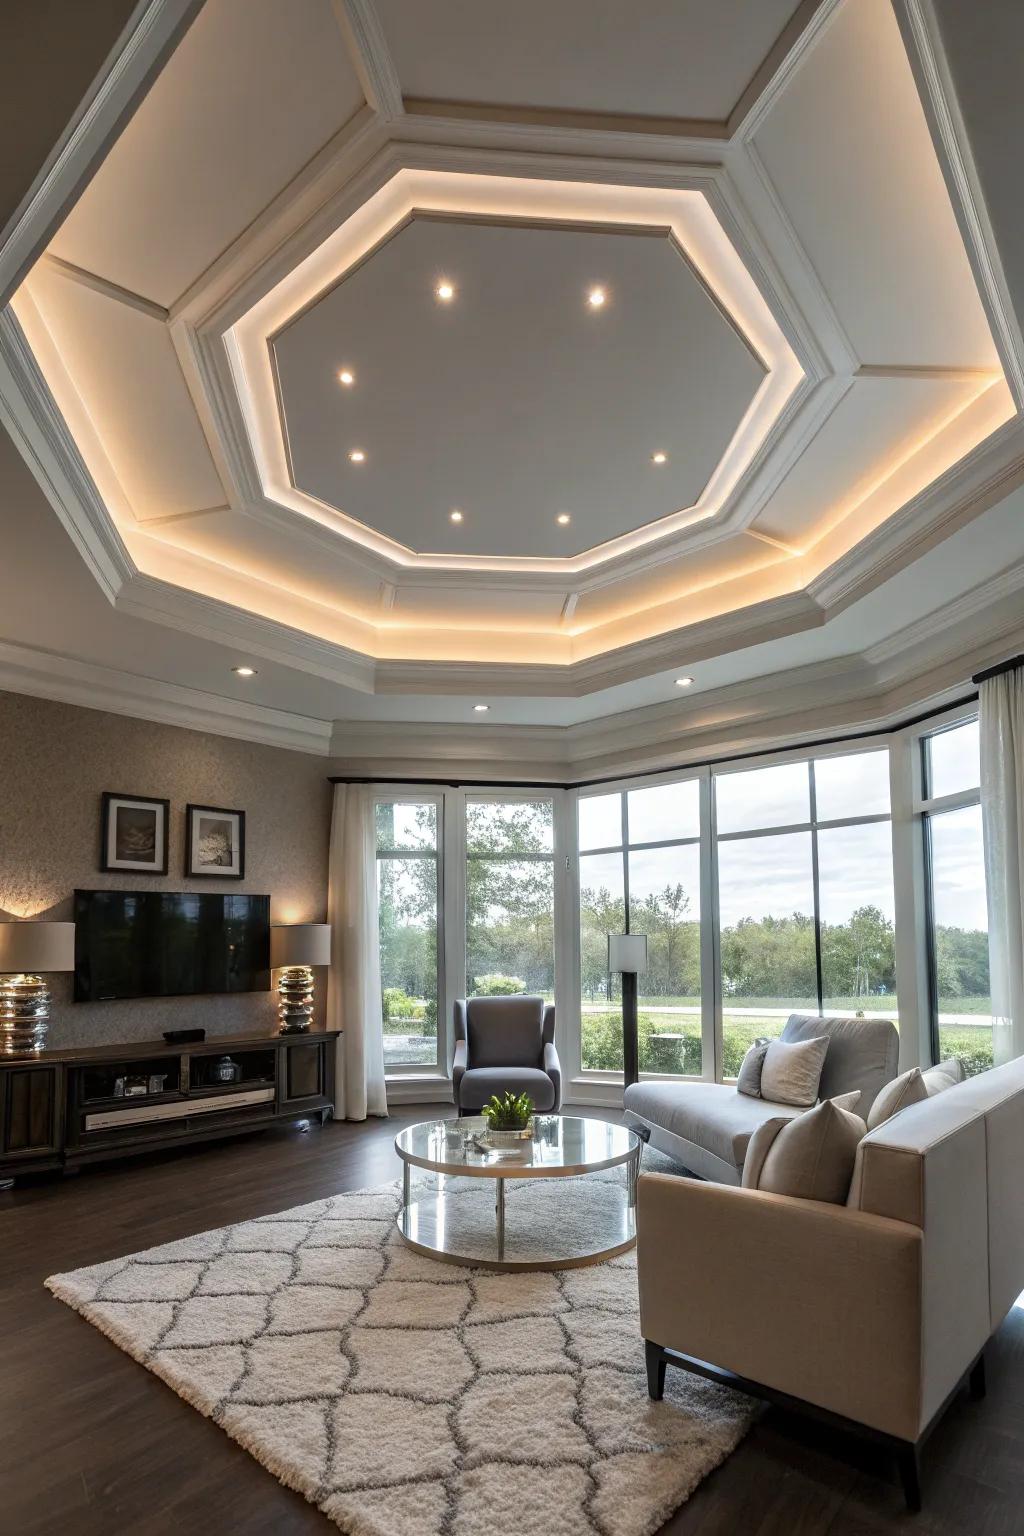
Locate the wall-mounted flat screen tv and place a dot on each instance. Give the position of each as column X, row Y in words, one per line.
column 169, row 944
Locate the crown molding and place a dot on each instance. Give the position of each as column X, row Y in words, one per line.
column 769, row 620
column 924, row 665
column 370, row 54
column 922, row 38
column 148, row 597
column 47, row 675
column 987, row 474
column 29, row 412
column 150, row 36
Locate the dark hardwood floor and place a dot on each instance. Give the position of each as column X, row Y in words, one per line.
column 91, row 1444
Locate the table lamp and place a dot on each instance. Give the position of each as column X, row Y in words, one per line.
column 295, row 948
column 627, row 954
column 28, row 952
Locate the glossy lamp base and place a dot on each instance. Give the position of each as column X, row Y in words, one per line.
column 295, row 991
column 24, row 1014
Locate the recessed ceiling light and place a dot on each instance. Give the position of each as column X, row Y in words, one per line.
column 445, row 291
column 357, row 456
column 480, row 709
column 596, row 297
column 244, row 671
column 563, row 518
column 684, row 682
column 659, row 457
column 455, row 516
column 346, row 376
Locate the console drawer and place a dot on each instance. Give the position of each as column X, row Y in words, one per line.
column 185, row 1109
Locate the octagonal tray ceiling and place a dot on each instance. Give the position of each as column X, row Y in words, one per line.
column 790, row 316
column 517, row 401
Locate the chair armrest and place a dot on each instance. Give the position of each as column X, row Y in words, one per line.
column 553, row 1068
column 460, row 1061
column 815, row 1300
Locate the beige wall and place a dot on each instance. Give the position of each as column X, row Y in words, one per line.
column 55, row 762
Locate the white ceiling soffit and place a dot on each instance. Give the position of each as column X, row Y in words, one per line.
column 787, row 312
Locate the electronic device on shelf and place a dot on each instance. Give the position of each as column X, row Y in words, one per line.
column 184, row 1036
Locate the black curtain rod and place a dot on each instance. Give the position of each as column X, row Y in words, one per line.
column 997, row 671
column 711, row 762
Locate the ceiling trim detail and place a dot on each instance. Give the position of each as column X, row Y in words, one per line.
column 515, row 190
column 923, row 41
column 581, row 643
column 144, row 46
column 922, row 666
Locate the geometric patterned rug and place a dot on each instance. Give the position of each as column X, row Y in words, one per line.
column 407, row 1397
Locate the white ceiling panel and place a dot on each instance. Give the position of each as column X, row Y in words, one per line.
column 282, row 557
column 442, row 606
column 878, row 422
column 847, row 147
column 654, row 58
column 255, row 88
column 122, row 362
column 516, row 401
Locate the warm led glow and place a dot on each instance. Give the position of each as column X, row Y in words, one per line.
column 346, row 376
column 455, row 515
column 445, row 291
column 659, row 457
column 563, row 518
column 684, row 682
column 480, row 709
column 244, row 671
column 596, row 297
column 357, row 456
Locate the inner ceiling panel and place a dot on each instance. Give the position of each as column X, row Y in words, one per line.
column 516, row 401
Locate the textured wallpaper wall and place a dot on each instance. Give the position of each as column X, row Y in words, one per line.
column 55, row 762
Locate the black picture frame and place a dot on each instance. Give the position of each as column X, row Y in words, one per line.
column 114, row 827
column 198, row 869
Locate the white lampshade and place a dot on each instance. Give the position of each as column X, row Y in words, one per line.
column 33, row 949
column 627, row 951
column 300, row 944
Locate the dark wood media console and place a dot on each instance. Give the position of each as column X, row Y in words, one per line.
column 62, row 1109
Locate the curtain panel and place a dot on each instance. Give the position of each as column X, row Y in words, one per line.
column 1002, row 809
column 353, row 990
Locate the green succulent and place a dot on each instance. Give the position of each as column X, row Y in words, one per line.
column 508, row 1111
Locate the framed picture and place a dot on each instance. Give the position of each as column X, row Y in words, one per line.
column 134, row 834
column 214, row 842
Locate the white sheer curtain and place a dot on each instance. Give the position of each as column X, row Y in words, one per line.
column 353, row 991
column 1002, row 809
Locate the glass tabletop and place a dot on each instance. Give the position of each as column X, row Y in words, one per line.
column 561, row 1145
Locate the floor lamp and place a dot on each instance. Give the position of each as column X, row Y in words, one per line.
column 627, row 954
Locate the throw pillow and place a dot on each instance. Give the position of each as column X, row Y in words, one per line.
column 908, row 1088
column 749, row 1079
column 946, row 1075
column 792, row 1071
column 810, row 1158
column 848, row 1101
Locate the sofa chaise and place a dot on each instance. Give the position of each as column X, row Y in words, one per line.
column 706, row 1126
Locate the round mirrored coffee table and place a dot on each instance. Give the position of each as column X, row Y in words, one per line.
column 529, row 1216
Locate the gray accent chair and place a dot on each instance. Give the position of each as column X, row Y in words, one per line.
column 502, row 1044
column 706, row 1126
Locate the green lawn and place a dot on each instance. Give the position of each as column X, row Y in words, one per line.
column 602, row 1042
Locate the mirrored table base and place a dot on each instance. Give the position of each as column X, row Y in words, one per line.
column 557, row 1224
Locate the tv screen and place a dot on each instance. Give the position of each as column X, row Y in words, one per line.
column 169, row 944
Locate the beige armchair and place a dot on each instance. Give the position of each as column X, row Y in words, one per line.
column 870, row 1314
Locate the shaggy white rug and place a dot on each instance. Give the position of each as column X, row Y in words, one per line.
column 407, row 1397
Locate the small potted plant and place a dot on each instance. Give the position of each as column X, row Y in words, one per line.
column 509, row 1118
